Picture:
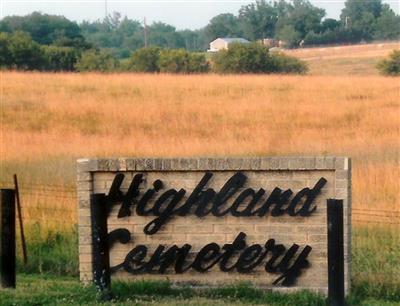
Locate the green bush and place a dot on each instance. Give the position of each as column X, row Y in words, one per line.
column 60, row 58
column 255, row 58
column 145, row 60
column 19, row 51
column 94, row 60
column 5, row 52
column 283, row 63
column 290, row 36
column 391, row 65
column 198, row 63
column 242, row 58
column 181, row 61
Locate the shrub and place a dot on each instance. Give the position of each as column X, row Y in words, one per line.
column 181, row 61
column 242, row 58
column 255, row 58
column 390, row 65
column 5, row 52
column 198, row 63
column 145, row 60
column 19, row 51
column 283, row 63
column 60, row 58
column 330, row 36
column 94, row 60
column 290, row 36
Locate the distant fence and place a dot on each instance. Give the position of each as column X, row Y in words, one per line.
column 54, row 203
column 47, row 205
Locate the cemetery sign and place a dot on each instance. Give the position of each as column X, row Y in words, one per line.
column 214, row 221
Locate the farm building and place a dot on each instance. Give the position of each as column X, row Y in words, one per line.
column 223, row 43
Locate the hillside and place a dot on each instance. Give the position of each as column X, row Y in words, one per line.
column 345, row 60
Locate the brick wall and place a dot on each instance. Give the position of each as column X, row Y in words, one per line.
column 96, row 175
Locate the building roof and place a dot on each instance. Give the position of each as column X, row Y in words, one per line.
column 233, row 39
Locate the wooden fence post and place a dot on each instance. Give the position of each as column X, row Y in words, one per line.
column 21, row 223
column 101, row 256
column 7, row 237
column 336, row 295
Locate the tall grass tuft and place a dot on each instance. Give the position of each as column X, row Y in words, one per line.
column 50, row 251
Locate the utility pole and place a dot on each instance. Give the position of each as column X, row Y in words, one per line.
column 105, row 9
column 145, row 32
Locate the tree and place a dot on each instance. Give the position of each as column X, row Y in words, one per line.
column 60, row 58
column 165, row 36
column 6, row 60
column 181, row 61
column 300, row 18
column 290, row 36
column 145, row 60
column 194, row 40
column 94, row 60
column 223, row 25
column 359, row 17
column 44, row 29
column 122, row 35
column 119, row 35
column 258, row 20
column 354, row 10
column 387, row 25
column 26, row 54
column 391, row 65
column 329, row 24
column 113, row 21
column 132, row 35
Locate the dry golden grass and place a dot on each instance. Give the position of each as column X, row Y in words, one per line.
column 345, row 60
column 49, row 120
column 346, row 51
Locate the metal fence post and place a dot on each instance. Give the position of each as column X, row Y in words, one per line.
column 7, row 237
column 101, row 256
column 336, row 296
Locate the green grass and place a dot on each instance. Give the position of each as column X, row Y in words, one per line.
column 50, row 251
column 45, row 290
column 51, row 290
column 376, row 259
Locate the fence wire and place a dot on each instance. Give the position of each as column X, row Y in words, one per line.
column 58, row 203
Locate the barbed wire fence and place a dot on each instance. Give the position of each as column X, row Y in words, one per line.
column 58, row 203
column 53, row 210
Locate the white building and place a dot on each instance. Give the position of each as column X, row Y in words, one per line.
column 223, row 43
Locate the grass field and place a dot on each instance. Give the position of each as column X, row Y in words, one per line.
column 345, row 60
column 50, row 290
column 48, row 120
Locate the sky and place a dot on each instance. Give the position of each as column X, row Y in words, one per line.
column 189, row 14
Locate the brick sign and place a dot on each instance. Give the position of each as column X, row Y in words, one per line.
column 216, row 221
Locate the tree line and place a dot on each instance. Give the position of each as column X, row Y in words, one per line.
column 19, row 51
column 48, row 42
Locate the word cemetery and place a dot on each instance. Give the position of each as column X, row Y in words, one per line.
column 212, row 222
